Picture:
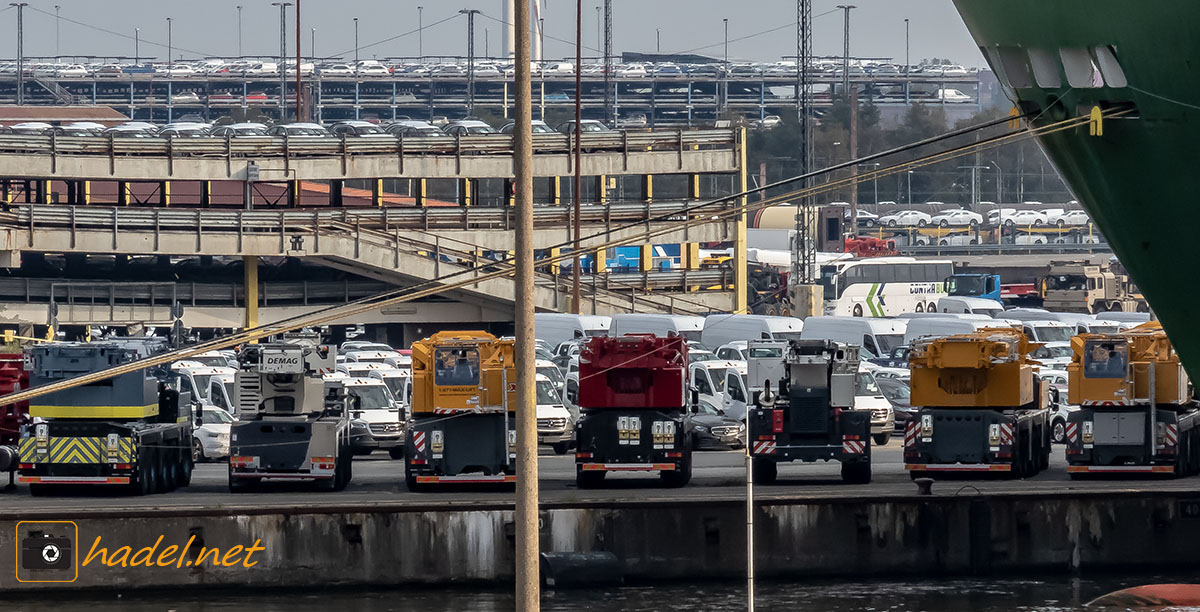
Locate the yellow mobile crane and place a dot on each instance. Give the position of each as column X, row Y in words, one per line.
column 463, row 409
column 1136, row 414
column 981, row 406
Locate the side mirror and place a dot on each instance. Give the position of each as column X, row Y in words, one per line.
column 695, row 400
column 198, row 411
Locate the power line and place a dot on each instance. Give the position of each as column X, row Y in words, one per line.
column 115, row 33
column 399, row 36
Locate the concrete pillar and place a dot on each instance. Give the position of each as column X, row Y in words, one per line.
column 377, row 192
column 251, row 285
column 510, row 193
column 206, row 193
column 47, row 192
column 602, row 188
column 646, row 258
column 556, row 190
column 85, row 192
column 648, row 188
column 601, row 263
column 122, row 193
column 691, row 255
column 28, row 192
column 293, row 192
column 335, row 192
column 422, row 192
column 740, row 263
column 694, row 187
column 164, row 193
column 555, row 269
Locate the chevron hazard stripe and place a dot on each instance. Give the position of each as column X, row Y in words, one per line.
column 84, row 450
column 763, row 447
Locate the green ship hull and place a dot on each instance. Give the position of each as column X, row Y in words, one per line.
column 1138, row 179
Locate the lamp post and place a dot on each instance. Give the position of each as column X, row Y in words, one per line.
column 910, row 173
column 283, row 58
column 239, row 10
column 726, row 76
column 170, row 46
column 57, row 32
column 137, row 46
column 846, row 49
column 356, row 44
column 420, row 32
column 907, row 64
column 20, row 50
column 658, row 40
column 599, row 40
column 470, row 13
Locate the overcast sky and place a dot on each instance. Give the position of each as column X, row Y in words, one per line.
column 209, row 27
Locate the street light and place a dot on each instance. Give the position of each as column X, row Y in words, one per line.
column 907, row 64
column 356, row 43
column 57, row 32
column 239, row 10
column 726, row 79
column 658, row 40
column 599, row 41
column 283, row 59
column 312, row 44
column 137, row 46
column 170, row 46
column 846, row 49
column 20, row 50
column 470, row 13
column 421, row 32
column 910, row 173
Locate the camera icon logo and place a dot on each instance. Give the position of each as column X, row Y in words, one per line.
column 47, row 551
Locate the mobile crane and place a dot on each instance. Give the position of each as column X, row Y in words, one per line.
column 634, row 398
column 131, row 431
column 289, row 427
column 1136, row 411
column 981, row 407
column 805, row 409
column 463, row 409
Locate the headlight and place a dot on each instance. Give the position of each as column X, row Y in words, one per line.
column 701, row 429
column 358, row 424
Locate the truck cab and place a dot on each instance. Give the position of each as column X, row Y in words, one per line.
column 986, row 286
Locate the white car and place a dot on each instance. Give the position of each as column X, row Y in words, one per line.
column 555, row 424
column 947, row 218
column 1027, row 239
column 211, row 439
column 732, row 351
column 868, row 397
column 996, row 214
column 906, row 217
column 865, row 218
column 1025, row 218
column 373, row 70
column 375, row 421
column 74, row 71
column 1069, row 218
column 1054, row 355
column 337, row 70
column 952, row 95
column 632, row 70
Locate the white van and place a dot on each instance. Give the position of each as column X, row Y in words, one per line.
column 709, row 377
column 399, row 382
column 721, row 329
column 937, row 327
column 868, row 397
column 1048, row 331
column 876, row 336
column 969, row 305
column 556, row 328
column 657, row 324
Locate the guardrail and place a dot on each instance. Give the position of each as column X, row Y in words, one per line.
column 288, row 147
column 1005, row 249
column 383, row 218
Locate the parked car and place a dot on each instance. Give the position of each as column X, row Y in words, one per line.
column 336, row 70
column 586, row 126
column 185, row 130
column 409, row 128
column 1067, row 218
column 211, row 439
column 897, row 391
column 185, row 97
column 539, row 127
column 995, row 215
column 957, row 217
column 714, row 430
column 1054, row 354
column 468, row 127
column 240, row 130
column 356, row 129
column 906, row 217
column 1025, row 218
column 555, row 423
column 298, row 129
column 375, row 421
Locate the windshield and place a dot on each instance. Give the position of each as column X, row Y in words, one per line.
column 1058, row 352
column 1102, row 329
column 896, row 393
column 202, row 381
column 765, row 352
column 216, row 361
column 785, row 336
column 965, row 285
column 888, row 342
column 693, row 335
column 864, row 384
column 396, row 384
column 1052, row 334
column 1066, row 282
column 547, row 394
column 456, row 366
column 551, row 372
column 368, row 129
column 697, row 356
column 374, row 397
column 1104, row 359
column 718, row 379
column 215, row 417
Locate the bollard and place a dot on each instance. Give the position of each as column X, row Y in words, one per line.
column 924, row 486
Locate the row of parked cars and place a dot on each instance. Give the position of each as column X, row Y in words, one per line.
column 1030, row 216
column 216, row 67
column 193, row 127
